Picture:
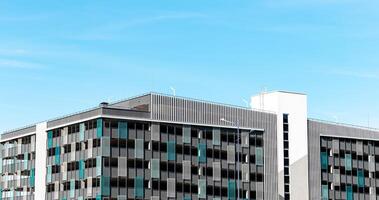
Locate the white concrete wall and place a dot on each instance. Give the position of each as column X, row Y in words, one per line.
column 41, row 155
column 295, row 105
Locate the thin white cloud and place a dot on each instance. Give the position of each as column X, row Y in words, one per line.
column 108, row 31
column 17, row 64
column 13, row 52
column 356, row 73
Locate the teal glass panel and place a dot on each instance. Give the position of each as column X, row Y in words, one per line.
column 81, row 169
column 361, row 178
column 123, row 130
column 82, row 128
column 49, row 139
column 80, row 198
column 48, row 174
column 202, row 188
column 231, row 189
column 259, row 156
column 64, row 198
column 155, row 169
column 99, row 128
column 216, row 136
column 26, row 158
column 349, row 192
column 98, row 197
column 139, row 149
column 348, row 162
column 105, row 185
column 202, row 153
column 186, row 134
column 58, row 155
column 72, row 188
column 187, row 198
column 324, row 160
column 32, row 178
column 171, row 150
column 138, row 187
column 324, row 192
column 98, row 165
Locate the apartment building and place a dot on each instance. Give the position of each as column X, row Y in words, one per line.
column 157, row 146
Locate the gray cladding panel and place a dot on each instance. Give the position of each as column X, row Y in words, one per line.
column 317, row 129
column 75, row 117
column 99, row 111
column 133, row 103
column 166, row 108
column 15, row 133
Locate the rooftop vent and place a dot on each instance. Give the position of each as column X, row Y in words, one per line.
column 103, row 104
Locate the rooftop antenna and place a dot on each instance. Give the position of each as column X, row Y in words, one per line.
column 173, row 90
column 246, row 102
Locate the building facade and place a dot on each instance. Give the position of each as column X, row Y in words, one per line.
column 157, row 146
column 149, row 147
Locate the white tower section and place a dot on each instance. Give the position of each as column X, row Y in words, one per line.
column 41, row 155
column 295, row 105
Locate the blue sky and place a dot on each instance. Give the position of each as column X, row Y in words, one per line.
column 58, row 57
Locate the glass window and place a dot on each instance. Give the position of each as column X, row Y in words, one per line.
column 171, row 150
column 82, row 128
column 171, row 191
column 48, row 174
column 245, row 140
column 81, row 169
column 105, row 185
column 361, row 178
column 231, row 189
column 335, row 145
column 49, row 139
column 155, row 133
column 324, row 192
column 324, row 160
column 187, row 198
column 216, row 171
column 26, row 158
column 347, row 162
column 98, row 165
column 123, row 130
column 231, row 154
column 99, row 128
column 138, row 187
column 1, row 166
column 371, row 163
column 122, row 166
column 202, row 153
column 186, row 170
column 186, row 134
column 216, row 136
column 72, row 188
column 57, row 155
column 139, row 148
column 155, row 170
column 349, row 192
column 202, row 188
column 359, row 146
column 105, row 146
column 245, row 173
column 259, row 156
